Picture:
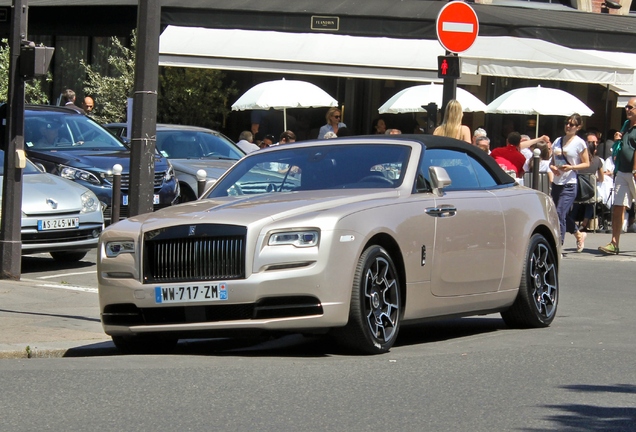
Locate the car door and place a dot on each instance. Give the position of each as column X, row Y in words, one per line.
column 470, row 245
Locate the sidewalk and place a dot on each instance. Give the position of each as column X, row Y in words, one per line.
column 63, row 321
column 39, row 321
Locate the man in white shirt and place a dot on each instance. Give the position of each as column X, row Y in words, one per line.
column 246, row 142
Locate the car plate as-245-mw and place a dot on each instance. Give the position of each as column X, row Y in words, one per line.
column 60, row 223
column 194, row 293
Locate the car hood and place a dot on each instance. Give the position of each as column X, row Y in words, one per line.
column 214, row 168
column 252, row 209
column 42, row 192
column 100, row 159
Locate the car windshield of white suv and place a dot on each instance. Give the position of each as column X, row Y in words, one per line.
column 290, row 168
column 54, row 130
column 180, row 144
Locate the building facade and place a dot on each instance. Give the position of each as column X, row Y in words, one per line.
column 83, row 30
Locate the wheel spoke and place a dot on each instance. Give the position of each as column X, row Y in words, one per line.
column 543, row 274
column 381, row 292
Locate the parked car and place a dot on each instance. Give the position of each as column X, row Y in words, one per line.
column 75, row 147
column 355, row 236
column 190, row 149
column 59, row 216
column 120, row 130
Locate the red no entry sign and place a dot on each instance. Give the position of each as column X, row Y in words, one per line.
column 457, row 26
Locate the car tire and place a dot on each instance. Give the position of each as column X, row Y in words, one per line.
column 375, row 312
column 68, row 256
column 145, row 344
column 538, row 296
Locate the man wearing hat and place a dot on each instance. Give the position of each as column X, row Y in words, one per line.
column 49, row 134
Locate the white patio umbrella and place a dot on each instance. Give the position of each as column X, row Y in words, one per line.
column 411, row 100
column 538, row 101
column 283, row 94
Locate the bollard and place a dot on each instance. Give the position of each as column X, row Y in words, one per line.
column 536, row 154
column 116, row 196
column 201, row 177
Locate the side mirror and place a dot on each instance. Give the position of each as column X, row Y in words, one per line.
column 439, row 179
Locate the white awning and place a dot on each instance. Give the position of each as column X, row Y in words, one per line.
column 380, row 58
column 625, row 92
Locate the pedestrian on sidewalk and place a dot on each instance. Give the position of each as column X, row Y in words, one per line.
column 569, row 155
column 624, row 175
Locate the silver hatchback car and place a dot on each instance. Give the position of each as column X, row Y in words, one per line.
column 59, row 216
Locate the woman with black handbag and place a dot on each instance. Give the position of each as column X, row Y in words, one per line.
column 596, row 168
column 569, row 154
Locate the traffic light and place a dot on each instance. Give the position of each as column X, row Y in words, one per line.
column 35, row 60
column 448, row 67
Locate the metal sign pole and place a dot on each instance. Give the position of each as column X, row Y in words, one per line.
column 11, row 224
column 144, row 121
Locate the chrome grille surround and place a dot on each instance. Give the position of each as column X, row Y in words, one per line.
column 199, row 252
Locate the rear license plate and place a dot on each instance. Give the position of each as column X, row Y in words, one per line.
column 60, row 223
column 194, row 293
column 155, row 199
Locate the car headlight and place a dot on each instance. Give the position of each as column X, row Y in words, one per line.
column 295, row 238
column 77, row 174
column 169, row 173
column 116, row 248
column 90, row 203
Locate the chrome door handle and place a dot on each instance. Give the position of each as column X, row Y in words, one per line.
column 442, row 211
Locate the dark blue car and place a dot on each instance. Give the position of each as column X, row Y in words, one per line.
column 75, row 147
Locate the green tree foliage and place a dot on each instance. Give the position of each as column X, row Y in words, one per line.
column 112, row 90
column 69, row 72
column 196, row 97
column 193, row 96
column 33, row 90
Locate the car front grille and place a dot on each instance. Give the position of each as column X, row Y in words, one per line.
column 125, row 180
column 86, row 232
column 187, row 253
column 274, row 307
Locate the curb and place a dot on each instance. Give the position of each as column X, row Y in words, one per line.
column 83, row 349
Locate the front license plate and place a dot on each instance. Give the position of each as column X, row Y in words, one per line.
column 155, row 199
column 61, row 223
column 194, row 293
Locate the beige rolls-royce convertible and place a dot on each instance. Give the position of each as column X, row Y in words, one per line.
column 350, row 237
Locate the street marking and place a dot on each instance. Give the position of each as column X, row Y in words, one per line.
column 70, row 288
column 37, row 283
column 67, row 274
column 458, row 27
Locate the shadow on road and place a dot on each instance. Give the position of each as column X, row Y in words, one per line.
column 579, row 417
column 309, row 346
column 39, row 264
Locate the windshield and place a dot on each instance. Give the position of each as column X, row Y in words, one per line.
column 55, row 130
column 317, row 167
column 184, row 144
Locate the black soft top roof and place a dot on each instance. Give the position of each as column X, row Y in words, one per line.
column 439, row 142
